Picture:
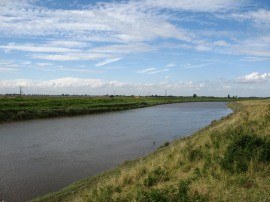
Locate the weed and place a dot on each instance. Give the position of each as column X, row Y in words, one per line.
column 267, row 115
column 215, row 139
column 152, row 195
column 150, row 181
column 164, row 145
column 213, row 122
column 157, row 175
column 199, row 198
column 103, row 194
column 244, row 149
column 118, row 189
column 183, row 190
column 197, row 172
column 195, row 154
column 246, row 182
column 128, row 180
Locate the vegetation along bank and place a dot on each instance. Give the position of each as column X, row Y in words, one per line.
column 229, row 160
column 27, row 107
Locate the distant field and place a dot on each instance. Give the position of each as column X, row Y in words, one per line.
column 22, row 108
column 226, row 161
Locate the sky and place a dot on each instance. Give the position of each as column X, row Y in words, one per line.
column 142, row 47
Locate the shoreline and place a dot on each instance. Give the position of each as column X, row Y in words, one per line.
column 28, row 108
column 130, row 180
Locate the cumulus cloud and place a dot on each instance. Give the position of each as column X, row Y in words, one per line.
column 254, row 77
column 56, row 83
column 73, row 85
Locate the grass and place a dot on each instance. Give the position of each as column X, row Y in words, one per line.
column 226, row 161
column 22, row 108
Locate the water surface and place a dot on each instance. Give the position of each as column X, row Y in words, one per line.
column 42, row 156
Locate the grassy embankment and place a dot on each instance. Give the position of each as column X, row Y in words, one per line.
column 226, row 161
column 21, row 108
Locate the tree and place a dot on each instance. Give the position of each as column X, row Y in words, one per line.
column 195, row 95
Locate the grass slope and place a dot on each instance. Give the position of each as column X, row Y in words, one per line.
column 21, row 108
column 226, row 161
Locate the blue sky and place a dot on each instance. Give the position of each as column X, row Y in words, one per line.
column 207, row 47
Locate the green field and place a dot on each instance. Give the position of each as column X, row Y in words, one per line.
column 228, row 160
column 21, row 108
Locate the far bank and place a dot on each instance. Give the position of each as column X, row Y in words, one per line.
column 17, row 108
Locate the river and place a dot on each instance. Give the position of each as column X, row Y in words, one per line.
column 42, row 156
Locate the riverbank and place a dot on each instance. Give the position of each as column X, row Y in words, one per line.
column 24, row 108
column 227, row 161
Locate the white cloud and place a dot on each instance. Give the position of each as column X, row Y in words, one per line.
column 48, row 67
column 107, row 61
column 5, row 69
column 124, row 49
column 255, row 59
column 260, row 17
column 56, row 83
column 254, row 77
column 257, row 46
column 71, row 56
column 34, row 48
column 71, row 85
column 112, row 22
column 27, row 62
column 15, row 4
column 130, row 24
column 147, row 70
column 8, row 66
column 69, row 44
column 191, row 66
column 170, row 65
column 197, row 5
column 202, row 48
column 152, row 70
column 220, row 43
column 71, row 82
column 42, row 64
